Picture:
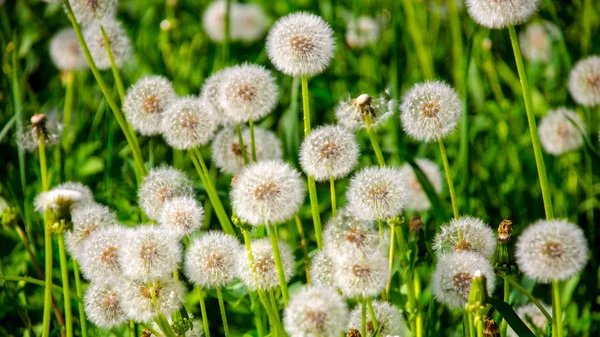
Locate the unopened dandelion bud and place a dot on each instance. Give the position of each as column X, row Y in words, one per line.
column 561, row 131
column 145, row 103
column 478, row 296
column 88, row 11
column 364, row 111
column 189, row 122
column 504, row 256
column 490, row 328
column 388, row 316
column 584, row 81
column 161, row 185
column 501, row 14
column 65, row 51
column 120, row 45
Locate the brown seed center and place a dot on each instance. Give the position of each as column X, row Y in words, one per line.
column 316, row 319
column 355, row 236
column 111, row 301
column 236, row 149
column 593, row 80
column 430, row 109
column 330, row 151
column 147, row 291
column 302, row 44
column 189, row 122
column 353, row 333
column 214, row 261
column 378, row 193
column 151, row 104
column 462, row 283
column 266, row 191
column 164, row 193
column 463, row 245
column 361, row 270
column 264, row 263
column 553, row 249
column 247, row 92
column 109, row 256
column 89, row 229
column 149, row 252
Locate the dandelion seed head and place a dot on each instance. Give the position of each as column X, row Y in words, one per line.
column 136, row 298
column 347, row 233
column 264, row 262
column 86, row 219
column 210, row 261
column 465, row 234
column 64, row 196
column 47, row 127
column 89, row 11
column 321, row 270
column 65, row 51
column 531, row 314
column 252, row 22
column 354, row 113
column 584, row 81
column 496, row 14
column 160, row 185
column 213, row 19
column 211, row 93
column 120, row 44
column 557, row 133
column 362, row 32
column 145, row 103
column 189, row 122
column 536, row 43
column 389, row 320
column 181, row 216
column 99, row 257
column 103, row 305
column 418, row 199
column 357, row 274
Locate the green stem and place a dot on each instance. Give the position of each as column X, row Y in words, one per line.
column 333, row 197
column 504, row 324
column 35, row 281
column 305, row 105
column 203, row 310
column 132, row 329
column 18, row 105
column 449, row 178
column 65, row 282
column 407, row 278
column 390, row 262
column 273, row 304
column 303, row 247
column 238, row 130
column 149, row 328
column 68, row 109
column 524, row 291
column 222, row 309
column 457, row 45
column 113, row 65
column 472, row 332
column 47, row 242
column 225, row 54
column 415, row 32
column 535, row 138
column 363, row 318
column 374, row 142
column 277, row 256
column 465, row 321
column 252, row 142
column 372, row 314
column 557, row 309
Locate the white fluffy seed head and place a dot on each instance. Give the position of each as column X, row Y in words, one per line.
column 136, row 298
column 300, row 44
column 453, row 275
column 267, row 192
column 88, row 11
column 558, row 134
column 86, row 219
column 248, row 22
column 377, row 193
column 264, row 262
column 149, row 253
column 465, row 234
column 65, row 51
column 211, row 93
column 418, row 199
column 362, row 32
column 430, row 111
column 347, row 233
column 99, row 257
column 584, row 81
column 389, row 320
column 145, row 103
column 210, row 261
column 357, row 274
column 536, row 43
column 329, row 151
column 160, row 185
column 252, row 22
column 353, row 114
column 314, row 312
column 189, row 122
column 181, row 216
column 213, row 19
column 247, row 92
column 551, row 250
column 496, row 14
column 103, row 305
column 120, row 44
column 227, row 152
column 531, row 315
column 321, row 270
column 63, row 197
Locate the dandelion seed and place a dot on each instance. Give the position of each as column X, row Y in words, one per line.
column 357, row 274
column 63, row 197
column 103, row 305
column 314, row 312
column 354, row 113
column 389, row 320
column 551, row 250
column 531, row 315
column 430, row 111
column 189, row 122
column 211, row 260
column 536, row 43
column 160, row 185
column 300, row 44
column 99, row 257
column 321, row 270
column 86, row 219
column 418, row 199
column 501, row 14
column 362, row 32
column 88, row 11
column 136, row 298
column 42, row 126
column 267, row 192
column 584, row 81
column 465, row 234
column 181, row 216
column 346, row 233
column 557, row 133
column 264, row 262
column 145, row 103
column 120, row 45
column 65, row 51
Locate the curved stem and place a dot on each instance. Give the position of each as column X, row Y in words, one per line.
column 238, row 130
column 47, row 242
column 277, row 256
column 303, row 247
column 524, row 291
column 449, row 178
column 252, row 141
column 222, row 309
column 113, row 65
column 203, row 310
column 80, row 305
column 333, row 196
column 65, row 282
column 557, row 309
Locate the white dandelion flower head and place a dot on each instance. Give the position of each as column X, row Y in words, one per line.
column 136, row 298
column 430, row 111
column 181, row 215
column 63, row 197
column 120, row 45
column 347, row 233
column 561, row 131
column 389, row 320
column 362, row 32
column 495, row 14
column 315, row 311
column 536, row 42
column 210, row 93
column 321, row 270
column 454, row 273
column 210, row 261
column 160, row 185
column 99, row 257
column 149, row 253
column 189, row 122
column 377, row 193
column 364, row 111
column 86, row 219
column 213, row 19
column 247, row 92
column 301, row 44
column 465, row 234
column 584, row 81
column 357, row 274
column 103, row 305
column 88, row 11
column 65, row 51
column 145, row 103
column 264, row 262
column 267, row 192
column 418, row 199
column 251, row 23
column 227, row 151
column 329, row 151
column 531, row 315
column 550, row 250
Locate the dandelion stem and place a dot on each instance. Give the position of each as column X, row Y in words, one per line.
column 222, row 309
column 113, row 65
column 373, row 316
column 132, row 329
column 415, row 32
column 277, row 256
column 238, row 130
column 18, row 107
column 203, row 311
column 407, row 278
column 252, row 141
column 557, row 309
column 47, row 242
column 363, row 318
column 333, row 196
column 535, row 139
column 472, row 332
column 374, row 141
column 65, row 284
column 465, row 319
column 504, row 324
column 524, row 291
column 303, row 246
column 391, row 262
column 449, row 178
column 457, row 45
column 68, row 109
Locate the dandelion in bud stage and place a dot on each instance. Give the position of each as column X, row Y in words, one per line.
column 181, row 215
column 453, row 275
column 364, row 111
column 430, row 111
column 103, row 305
column 66, row 52
column 501, row 14
column 211, row 260
column 264, row 262
column 136, row 298
column 86, row 219
column 145, row 103
column 418, row 199
column 189, row 122
column 99, row 257
column 267, row 192
column 465, row 234
column 362, row 32
column 160, row 185
column 551, row 250
column 300, row 44
column 63, row 197
column 321, row 270
column 561, row 131
column 347, row 233
column 389, row 320
column 120, row 45
column 531, row 315
column 358, row 274
column 315, row 311
column 584, row 81
column 89, row 11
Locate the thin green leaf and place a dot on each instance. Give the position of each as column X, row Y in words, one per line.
column 511, row 317
column 438, row 208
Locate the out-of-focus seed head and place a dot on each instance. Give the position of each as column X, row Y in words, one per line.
column 355, row 114
column 181, row 216
column 86, row 219
column 149, row 253
column 584, row 81
column 300, row 44
column 264, row 262
column 103, row 305
column 210, row 261
column 160, row 185
column 321, row 270
column 247, row 22
column 267, row 192
column 99, row 257
column 329, row 151
column 430, row 111
column 551, row 250
column 315, row 311
column 66, row 52
column 89, row 11
column 357, row 274
column 46, row 127
column 347, row 233
column 453, row 275
column 536, row 43
column 189, row 122
column 213, row 19
column 145, row 103
column 63, row 197
column 389, row 320
column 465, row 234
column 136, row 298
column 120, row 44
column 377, row 193
column 531, row 315
column 251, row 23
column 561, row 131
column 227, row 152
column 362, row 32
column 496, row 14
column 418, row 199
